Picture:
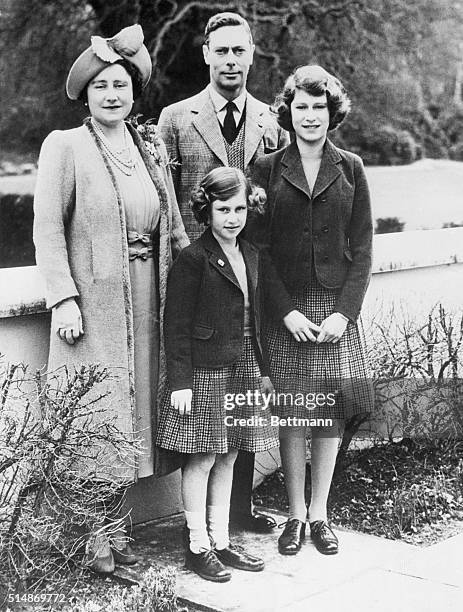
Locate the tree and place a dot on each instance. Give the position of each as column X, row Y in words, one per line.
column 389, row 225
column 397, row 59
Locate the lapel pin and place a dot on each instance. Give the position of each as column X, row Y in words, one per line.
column 221, row 262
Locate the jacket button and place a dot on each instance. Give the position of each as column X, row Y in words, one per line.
column 325, row 229
column 325, row 258
column 306, row 229
column 323, row 199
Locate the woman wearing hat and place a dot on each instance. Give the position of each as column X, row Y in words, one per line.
column 106, row 226
column 317, row 229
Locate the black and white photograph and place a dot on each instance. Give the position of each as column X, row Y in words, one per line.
column 231, row 305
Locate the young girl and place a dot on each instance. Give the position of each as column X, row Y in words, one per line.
column 215, row 351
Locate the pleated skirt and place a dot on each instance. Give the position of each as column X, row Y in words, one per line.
column 319, row 380
column 219, row 419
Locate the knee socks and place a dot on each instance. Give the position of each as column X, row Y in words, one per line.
column 217, row 523
column 216, row 528
column 199, row 538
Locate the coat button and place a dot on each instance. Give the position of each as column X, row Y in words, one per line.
column 306, row 229
column 325, row 258
column 323, row 199
column 325, row 229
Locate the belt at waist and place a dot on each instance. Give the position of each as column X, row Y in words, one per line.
column 142, row 251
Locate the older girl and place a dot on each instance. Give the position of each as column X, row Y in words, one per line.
column 215, row 351
column 317, row 229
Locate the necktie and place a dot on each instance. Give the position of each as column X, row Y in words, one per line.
column 229, row 125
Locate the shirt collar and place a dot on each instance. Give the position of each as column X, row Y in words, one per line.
column 218, row 101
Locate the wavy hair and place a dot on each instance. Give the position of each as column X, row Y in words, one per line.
column 221, row 184
column 221, row 20
column 316, row 81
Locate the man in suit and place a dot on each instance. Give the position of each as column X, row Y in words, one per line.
column 223, row 125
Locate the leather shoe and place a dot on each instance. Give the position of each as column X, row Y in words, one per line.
column 290, row 541
column 207, row 565
column 121, row 549
column 98, row 555
column 323, row 537
column 257, row 522
column 125, row 555
column 236, row 557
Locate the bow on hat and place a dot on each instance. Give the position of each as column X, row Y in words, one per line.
column 127, row 44
column 124, row 44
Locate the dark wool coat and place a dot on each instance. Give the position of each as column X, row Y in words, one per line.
column 205, row 310
column 81, row 250
column 330, row 229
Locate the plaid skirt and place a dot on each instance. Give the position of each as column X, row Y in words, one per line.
column 220, row 420
column 319, row 380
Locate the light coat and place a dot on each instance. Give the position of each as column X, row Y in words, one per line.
column 81, row 250
column 194, row 141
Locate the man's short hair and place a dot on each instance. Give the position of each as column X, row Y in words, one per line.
column 220, row 20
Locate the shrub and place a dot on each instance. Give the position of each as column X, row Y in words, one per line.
column 389, row 225
column 456, row 151
column 16, row 217
column 49, row 508
column 389, row 146
column 154, row 593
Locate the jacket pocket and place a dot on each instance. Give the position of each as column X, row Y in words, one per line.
column 201, row 332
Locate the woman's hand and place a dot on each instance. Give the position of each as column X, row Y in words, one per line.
column 181, row 400
column 332, row 328
column 266, row 386
column 301, row 328
column 68, row 321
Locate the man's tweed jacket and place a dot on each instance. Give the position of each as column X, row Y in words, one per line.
column 191, row 132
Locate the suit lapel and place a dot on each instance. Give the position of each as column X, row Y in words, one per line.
column 293, row 171
column 254, row 128
column 329, row 171
column 206, row 122
column 218, row 258
column 251, row 259
column 327, row 174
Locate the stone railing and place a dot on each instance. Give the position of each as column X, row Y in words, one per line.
column 415, row 270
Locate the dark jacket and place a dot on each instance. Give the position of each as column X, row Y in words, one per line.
column 204, row 316
column 330, row 229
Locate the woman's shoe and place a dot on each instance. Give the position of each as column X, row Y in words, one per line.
column 121, row 549
column 290, row 541
column 236, row 557
column 206, row 565
column 125, row 555
column 98, row 555
column 323, row 537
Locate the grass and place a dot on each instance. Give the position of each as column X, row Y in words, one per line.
column 156, row 592
column 408, row 490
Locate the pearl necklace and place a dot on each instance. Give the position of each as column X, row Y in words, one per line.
column 125, row 166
